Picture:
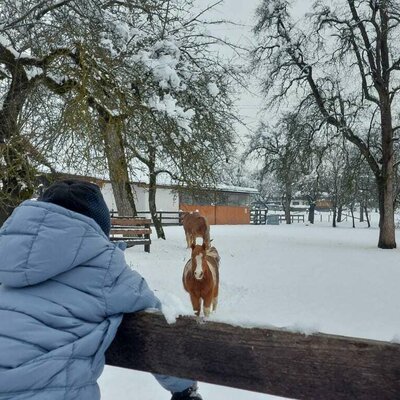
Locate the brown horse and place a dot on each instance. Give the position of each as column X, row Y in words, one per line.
column 195, row 225
column 201, row 278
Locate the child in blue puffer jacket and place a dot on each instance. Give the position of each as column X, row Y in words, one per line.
column 64, row 288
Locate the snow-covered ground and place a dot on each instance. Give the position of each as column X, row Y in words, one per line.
column 305, row 278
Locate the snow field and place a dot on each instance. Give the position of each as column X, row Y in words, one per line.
column 303, row 278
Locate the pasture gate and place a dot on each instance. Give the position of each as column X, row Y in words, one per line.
column 273, row 361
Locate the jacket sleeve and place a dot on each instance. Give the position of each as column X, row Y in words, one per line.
column 129, row 293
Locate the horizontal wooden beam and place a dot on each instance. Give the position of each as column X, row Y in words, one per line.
column 128, row 231
column 130, row 221
column 273, row 361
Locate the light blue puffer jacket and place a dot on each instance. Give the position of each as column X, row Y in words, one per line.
column 63, row 290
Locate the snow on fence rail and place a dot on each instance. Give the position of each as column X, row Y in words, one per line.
column 272, row 361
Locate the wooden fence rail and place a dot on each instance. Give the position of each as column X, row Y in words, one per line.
column 167, row 218
column 273, row 361
column 293, row 217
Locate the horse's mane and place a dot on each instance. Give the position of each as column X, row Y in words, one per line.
column 212, row 252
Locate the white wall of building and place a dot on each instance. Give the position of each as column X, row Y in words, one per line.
column 141, row 198
column 108, row 195
column 166, row 199
column 299, row 203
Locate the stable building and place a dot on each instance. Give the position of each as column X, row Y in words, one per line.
column 222, row 205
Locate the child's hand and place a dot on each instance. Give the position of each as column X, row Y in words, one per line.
column 188, row 394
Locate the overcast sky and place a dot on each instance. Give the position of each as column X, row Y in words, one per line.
column 242, row 12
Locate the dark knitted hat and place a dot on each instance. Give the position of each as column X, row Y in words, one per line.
column 82, row 197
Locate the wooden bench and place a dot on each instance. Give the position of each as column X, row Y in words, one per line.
column 133, row 231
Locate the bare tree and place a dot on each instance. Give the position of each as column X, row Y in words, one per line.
column 285, row 151
column 354, row 39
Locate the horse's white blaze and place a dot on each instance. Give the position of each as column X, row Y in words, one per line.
column 199, row 268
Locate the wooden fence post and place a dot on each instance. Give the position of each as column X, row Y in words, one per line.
column 278, row 362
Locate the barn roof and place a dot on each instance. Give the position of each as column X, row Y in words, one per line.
column 219, row 187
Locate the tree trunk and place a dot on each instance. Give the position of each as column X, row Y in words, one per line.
column 386, row 217
column 387, row 239
column 361, row 213
column 339, row 213
column 367, row 216
column 311, row 212
column 334, row 215
column 286, row 203
column 152, row 194
column 352, row 215
column 117, row 165
column 385, row 182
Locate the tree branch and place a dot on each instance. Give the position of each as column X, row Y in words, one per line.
column 40, row 14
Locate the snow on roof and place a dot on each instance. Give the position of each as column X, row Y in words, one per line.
column 166, row 182
column 219, row 187
column 238, row 189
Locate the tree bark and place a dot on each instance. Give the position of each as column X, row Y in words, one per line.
column 339, row 213
column 387, row 238
column 311, row 212
column 152, row 194
column 385, row 182
column 286, row 202
column 352, row 215
column 361, row 213
column 367, row 216
column 117, row 165
column 334, row 216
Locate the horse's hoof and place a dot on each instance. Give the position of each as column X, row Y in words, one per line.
column 200, row 320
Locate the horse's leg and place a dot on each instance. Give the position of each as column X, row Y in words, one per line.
column 195, row 303
column 215, row 303
column 215, row 295
column 207, row 304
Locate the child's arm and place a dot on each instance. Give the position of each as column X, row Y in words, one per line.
column 129, row 293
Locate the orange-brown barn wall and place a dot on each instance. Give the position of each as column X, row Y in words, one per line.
column 221, row 215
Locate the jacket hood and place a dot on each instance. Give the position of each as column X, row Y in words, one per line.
column 42, row 240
